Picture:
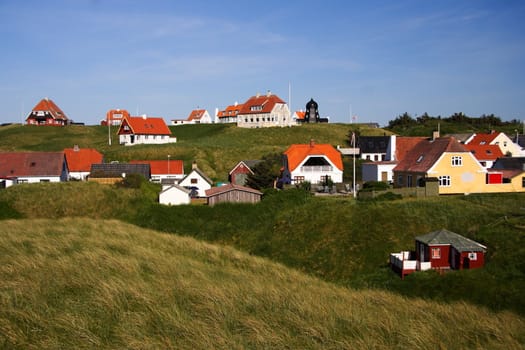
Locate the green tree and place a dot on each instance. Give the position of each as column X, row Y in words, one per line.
column 265, row 173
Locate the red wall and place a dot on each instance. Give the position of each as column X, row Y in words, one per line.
column 472, row 264
column 444, row 260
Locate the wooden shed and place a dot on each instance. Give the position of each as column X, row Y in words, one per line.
column 233, row 194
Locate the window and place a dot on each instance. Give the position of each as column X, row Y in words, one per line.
column 473, row 256
column 436, row 253
column 193, row 181
column 44, row 180
column 523, row 182
column 457, row 160
column 298, row 179
column 444, row 181
column 400, row 180
column 409, row 180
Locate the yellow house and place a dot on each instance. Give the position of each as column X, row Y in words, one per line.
column 456, row 169
column 445, row 159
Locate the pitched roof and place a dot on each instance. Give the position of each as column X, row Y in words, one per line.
column 260, row 104
column 80, row 159
column 373, row 144
column 177, row 187
column 507, row 173
column 201, row 174
column 484, row 152
column 510, row 163
column 426, row 153
column 443, row 236
column 230, row 187
column 161, row 166
column 248, row 163
column 18, row 164
column 404, row 144
column 146, row 125
column 47, row 105
column 230, row 111
column 117, row 169
column 300, row 114
column 297, row 153
column 196, row 114
column 482, row 139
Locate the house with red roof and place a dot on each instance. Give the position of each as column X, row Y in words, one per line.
column 115, row 117
column 500, row 139
column 240, row 172
column 168, row 171
column 486, row 154
column 46, row 112
column 396, row 149
column 298, row 117
column 445, row 159
column 79, row 161
column 32, row 167
column 228, row 115
column 144, row 130
column 315, row 163
column 263, row 111
column 197, row 116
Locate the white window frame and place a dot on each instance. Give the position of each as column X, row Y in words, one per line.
column 473, row 256
column 444, row 181
column 457, row 161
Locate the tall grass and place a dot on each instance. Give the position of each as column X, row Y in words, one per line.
column 83, row 283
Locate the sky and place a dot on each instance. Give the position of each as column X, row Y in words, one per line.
column 371, row 60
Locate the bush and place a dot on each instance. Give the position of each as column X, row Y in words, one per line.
column 132, row 181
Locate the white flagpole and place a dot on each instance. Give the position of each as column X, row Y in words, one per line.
column 353, row 152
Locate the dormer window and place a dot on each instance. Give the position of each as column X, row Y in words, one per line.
column 256, row 108
column 420, row 158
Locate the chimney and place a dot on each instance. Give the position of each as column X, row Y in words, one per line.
column 258, row 94
column 194, row 165
column 76, row 148
column 312, row 142
column 268, row 93
column 435, row 135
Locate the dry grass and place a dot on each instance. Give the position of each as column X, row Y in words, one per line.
column 83, row 283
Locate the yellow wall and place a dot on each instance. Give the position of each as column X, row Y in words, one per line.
column 516, row 185
column 470, row 177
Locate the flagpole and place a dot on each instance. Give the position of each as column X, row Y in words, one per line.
column 353, row 153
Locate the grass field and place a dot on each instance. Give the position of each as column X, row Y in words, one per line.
column 83, row 283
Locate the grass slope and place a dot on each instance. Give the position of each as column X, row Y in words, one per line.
column 84, row 283
column 337, row 239
column 215, row 147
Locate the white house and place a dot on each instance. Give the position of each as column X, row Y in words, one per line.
column 32, row 167
column 263, row 111
column 506, row 145
column 144, row 130
column 197, row 116
column 171, row 170
column 197, row 182
column 228, row 115
column 174, row 195
column 315, row 163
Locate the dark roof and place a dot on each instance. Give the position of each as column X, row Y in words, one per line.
column 373, row 144
column 427, row 152
column 230, row 187
column 443, row 236
column 16, row 164
column 117, row 169
column 510, row 163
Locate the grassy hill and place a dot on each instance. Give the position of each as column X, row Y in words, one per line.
column 215, row 147
column 83, row 283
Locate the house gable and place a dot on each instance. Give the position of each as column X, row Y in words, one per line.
column 144, row 126
column 46, row 112
column 80, row 159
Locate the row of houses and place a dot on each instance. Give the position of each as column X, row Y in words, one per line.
column 480, row 163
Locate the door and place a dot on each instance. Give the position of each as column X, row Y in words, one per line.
column 384, row 176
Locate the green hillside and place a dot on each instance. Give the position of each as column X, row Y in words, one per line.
column 215, row 147
column 103, row 284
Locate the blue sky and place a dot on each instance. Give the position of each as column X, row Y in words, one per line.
column 373, row 59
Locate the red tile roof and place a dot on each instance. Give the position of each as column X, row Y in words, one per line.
column 230, row 111
column 260, row 104
column 230, row 187
column 160, row 167
column 404, row 144
column 117, row 114
column 297, row 153
column 47, row 105
column 300, row 114
column 426, row 153
column 485, row 151
column 17, row 164
column 196, row 114
column 80, row 159
column 484, row 139
column 146, row 126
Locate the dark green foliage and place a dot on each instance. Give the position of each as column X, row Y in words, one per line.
column 265, row 173
column 131, row 181
column 7, row 211
column 375, row 186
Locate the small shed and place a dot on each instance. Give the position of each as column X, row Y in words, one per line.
column 174, row 195
column 240, row 172
column 233, row 194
